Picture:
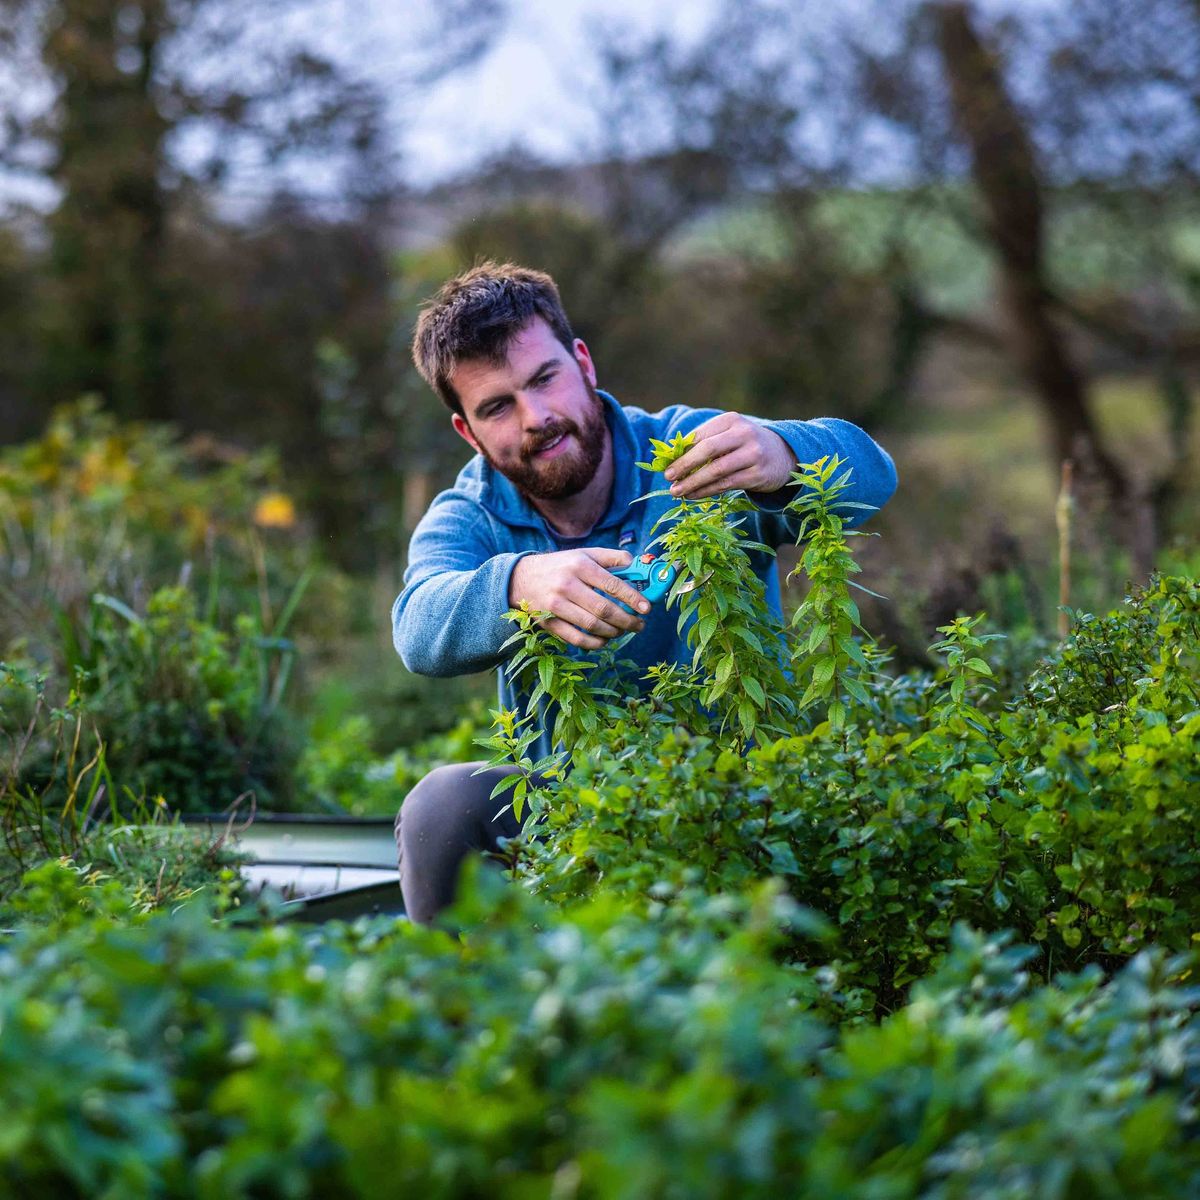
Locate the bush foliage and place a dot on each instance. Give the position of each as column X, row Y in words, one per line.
column 162, row 591
column 907, row 804
column 787, row 922
column 592, row 1052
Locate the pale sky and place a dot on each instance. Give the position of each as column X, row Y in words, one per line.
column 533, row 85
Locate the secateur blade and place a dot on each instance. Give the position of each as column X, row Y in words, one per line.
column 692, row 584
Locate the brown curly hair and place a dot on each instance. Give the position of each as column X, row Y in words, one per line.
column 476, row 314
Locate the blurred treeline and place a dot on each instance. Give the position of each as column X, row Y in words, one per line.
column 972, row 228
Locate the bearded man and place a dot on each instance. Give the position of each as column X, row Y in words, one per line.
column 546, row 510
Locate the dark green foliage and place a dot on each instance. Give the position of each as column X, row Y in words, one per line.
column 340, row 770
column 1102, row 661
column 1080, row 833
column 189, row 713
column 596, row 1053
column 917, row 803
column 173, row 709
column 125, row 871
column 761, row 960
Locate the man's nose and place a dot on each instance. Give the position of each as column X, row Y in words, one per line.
column 535, row 412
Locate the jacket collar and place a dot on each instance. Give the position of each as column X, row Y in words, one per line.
column 500, row 497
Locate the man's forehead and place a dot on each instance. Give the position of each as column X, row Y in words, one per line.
column 533, row 342
column 532, row 338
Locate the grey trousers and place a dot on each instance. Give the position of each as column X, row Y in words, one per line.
column 443, row 819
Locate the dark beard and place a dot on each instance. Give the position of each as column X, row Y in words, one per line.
column 568, row 474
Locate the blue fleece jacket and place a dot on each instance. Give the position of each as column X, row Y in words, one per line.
column 449, row 619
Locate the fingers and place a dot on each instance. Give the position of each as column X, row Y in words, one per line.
column 622, row 591
column 569, row 634
column 707, row 448
column 719, row 474
column 746, row 480
column 581, row 596
column 591, row 623
column 607, row 557
column 591, row 614
column 729, row 451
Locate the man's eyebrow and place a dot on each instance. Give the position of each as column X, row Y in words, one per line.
column 550, row 362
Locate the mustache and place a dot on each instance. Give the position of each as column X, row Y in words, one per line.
column 547, row 435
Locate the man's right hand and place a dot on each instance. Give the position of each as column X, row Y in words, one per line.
column 561, row 584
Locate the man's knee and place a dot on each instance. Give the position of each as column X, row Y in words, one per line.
column 443, row 793
column 453, row 802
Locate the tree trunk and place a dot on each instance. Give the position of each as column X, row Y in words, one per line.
column 107, row 235
column 1004, row 168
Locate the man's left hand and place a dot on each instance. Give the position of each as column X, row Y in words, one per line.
column 731, row 451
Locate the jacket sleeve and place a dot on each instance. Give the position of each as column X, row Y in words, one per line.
column 449, row 619
column 873, row 478
column 872, row 481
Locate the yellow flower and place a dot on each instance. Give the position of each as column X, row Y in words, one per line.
column 275, row 511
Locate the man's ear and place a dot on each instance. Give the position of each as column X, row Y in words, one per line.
column 583, row 357
column 464, row 431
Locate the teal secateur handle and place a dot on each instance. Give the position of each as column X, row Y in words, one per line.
column 649, row 575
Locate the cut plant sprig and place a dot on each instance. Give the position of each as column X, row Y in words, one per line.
column 722, row 606
column 558, row 678
column 826, row 651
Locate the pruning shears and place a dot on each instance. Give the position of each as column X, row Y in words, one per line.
column 653, row 577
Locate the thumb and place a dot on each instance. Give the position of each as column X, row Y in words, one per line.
column 608, row 558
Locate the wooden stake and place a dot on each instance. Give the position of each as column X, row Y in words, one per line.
column 1063, row 512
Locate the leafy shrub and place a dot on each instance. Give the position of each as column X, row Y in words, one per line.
column 748, row 966
column 95, row 506
column 125, row 872
column 1100, row 665
column 597, row 1053
column 174, row 709
column 63, row 808
column 340, row 770
column 188, row 712
column 915, row 803
column 47, row 785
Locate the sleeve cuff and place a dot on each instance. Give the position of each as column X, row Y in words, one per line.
column 778, row 500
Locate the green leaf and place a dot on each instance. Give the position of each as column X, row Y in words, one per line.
column 505, row 784
column 859, row 587
column 749, row 637
column 823, row 671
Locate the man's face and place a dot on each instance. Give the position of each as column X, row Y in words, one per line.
column 535, row 417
